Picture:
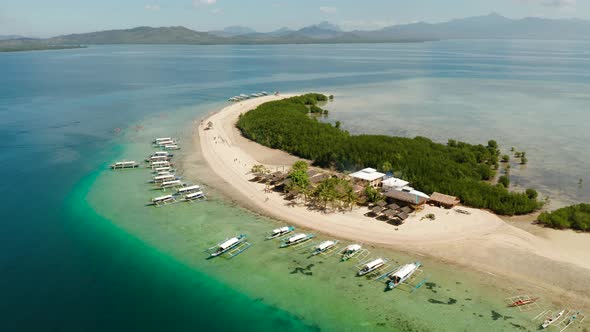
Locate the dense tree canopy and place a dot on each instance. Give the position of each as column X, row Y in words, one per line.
column 575, row 216
column 457, row 168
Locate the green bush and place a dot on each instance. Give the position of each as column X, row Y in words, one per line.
column 575, row 216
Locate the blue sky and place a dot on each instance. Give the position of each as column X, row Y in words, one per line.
column 48, row 18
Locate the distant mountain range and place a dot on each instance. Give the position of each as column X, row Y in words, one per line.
column 492, row 26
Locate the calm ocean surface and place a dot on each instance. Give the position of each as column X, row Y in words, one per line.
column 80, row 254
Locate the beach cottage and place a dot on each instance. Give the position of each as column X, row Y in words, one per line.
column 444, row 200
column 368, row 176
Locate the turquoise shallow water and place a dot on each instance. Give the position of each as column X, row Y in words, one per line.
column 80, row 252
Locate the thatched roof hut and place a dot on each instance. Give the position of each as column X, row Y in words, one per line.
column 444, row 200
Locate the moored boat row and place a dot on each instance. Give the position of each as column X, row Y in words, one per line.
column 244, row 96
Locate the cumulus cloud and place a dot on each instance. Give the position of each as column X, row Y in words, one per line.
column 198, row 3
column 327, row 10
column 152, row 7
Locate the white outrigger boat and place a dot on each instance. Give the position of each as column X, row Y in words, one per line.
column 195, row 196
column 159, row 164
column 164, row 178
column 152, row 159
column 295, row 239
column 164, row 169
column 372, row 266
column 188, row 189
column 163, row 200
column 278, row 232
column 161, row 139
column 164, row 143
column 238, row 242
column 324, row 246
column 402, row 274
column 551, row 320
column 171, row 184
column 124, row 164
column 350, row 251
column 171, row 147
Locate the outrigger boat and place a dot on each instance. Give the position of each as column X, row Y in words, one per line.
column 171, row 184
column 158, row 158
column 402, row 274
column 350, row 251
column 171, row 147
column 522, row 302
column 124, row 164
column 188, row 189
column 371, row 266
column 159, row 164
column 164, row 169
column 322, row 247
column 196, row 196
column 552, row 319
column 161, row 139
column 226, row 245
column 277, row 232
column 164, row 143
column 295, row 239
column 164, row 178
column 163, row 200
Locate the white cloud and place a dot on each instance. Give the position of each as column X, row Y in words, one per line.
column 152, row 7
column 217, row 11
column 327, row 10
column 197, row 3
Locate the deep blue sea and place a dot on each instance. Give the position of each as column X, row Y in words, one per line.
column 61, row 269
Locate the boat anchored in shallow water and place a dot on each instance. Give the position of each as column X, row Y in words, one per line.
column 163, row 200
column 551, row 320
column 350, row 251
column 278, row 232
column 124, row 164
column 296, row 239
column 233, row 247
column 324, row 246
column 372, row 266
column 402, row 274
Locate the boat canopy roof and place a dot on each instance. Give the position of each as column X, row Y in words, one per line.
column 297, row 237
column 405, row 270
column 167, row 183
column 189, row 188
column 163, row 139
column 161, row 198
column 325, row 245
column 229, row 243
column 374, row 263
column 353, row 247
column 164, row 177
column 194, row 195
column 281, row 230
column 158, row 163
column 170, row 146
column 125, row 162
column 160, row 153
column 161, row 169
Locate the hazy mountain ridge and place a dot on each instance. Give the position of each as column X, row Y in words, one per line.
column 492, row 26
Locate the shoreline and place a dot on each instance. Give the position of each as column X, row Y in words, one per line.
column 481, row 241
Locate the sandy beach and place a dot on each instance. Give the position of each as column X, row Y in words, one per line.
column 553, row 260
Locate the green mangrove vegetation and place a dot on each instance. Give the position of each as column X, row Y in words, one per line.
column 574, row 216
column 457, row 168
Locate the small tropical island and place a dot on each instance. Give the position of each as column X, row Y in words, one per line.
column 457, row 168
